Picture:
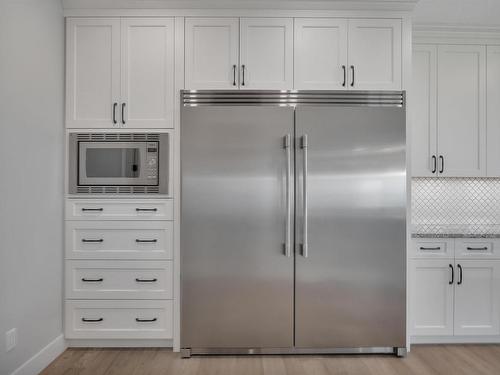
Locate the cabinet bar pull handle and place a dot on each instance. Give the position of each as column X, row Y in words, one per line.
column 92, row 280
column 114, row 113
column 434, row 163
column 345, row 75
column 92, row 209
column 305, row 250
column 243, row 75
column 288, row 229
column 146, row 280
column 234, row 75
column 92, row 241
column 146, row 241
column 461, row 279
column 477, row 248
column 92, row 320
column 352, row 69
column 146, row 209
column 452, row 274
column 441, row 159
column 145, row 320
column 123, row 113
column 430, row 248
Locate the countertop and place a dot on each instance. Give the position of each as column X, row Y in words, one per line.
column 455, row 231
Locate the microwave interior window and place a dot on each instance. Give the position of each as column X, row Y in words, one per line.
column 112, row 162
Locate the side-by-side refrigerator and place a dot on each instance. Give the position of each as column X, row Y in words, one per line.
column 293, row 222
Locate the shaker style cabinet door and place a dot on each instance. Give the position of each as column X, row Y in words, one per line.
column 266, row 53
column 211, row 53
column 493, row 110
column 320, row 54
column 477, row 297
column 461, row 110
column 424, row 112
column 147, row 72
column 92, row 72
column 374, row 54
column 431, row 306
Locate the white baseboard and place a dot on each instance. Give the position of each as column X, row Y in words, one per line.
column 455, row 340
column 43, row 358
column 118, row 343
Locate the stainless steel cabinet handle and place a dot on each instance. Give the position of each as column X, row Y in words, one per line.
column 146, row 241
column 92, row 241
column 92, row 320
column 243, row 75
column 304, row 146
column 123, row 113
column 441, row 159
column 452, row 274
column 430, row 248
column 345, row 75
column 145, row 320
column 146, row 209
column 114, row 113
column 92, row 280
column 434, row 164
column 477, row 248
column 288, row 229
column 92, row 209
column 146, row 280
column 234, row 75
column 352, row 70
column 461, row 278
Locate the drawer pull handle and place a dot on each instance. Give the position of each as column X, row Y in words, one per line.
column 146, row 209
column 430, row 248
column 146, row 280
column 146, row 241
column 145, row 320
column 92, row 241
column 92, row 320
column 92, row 209
column 477, row 248
column 92, row 280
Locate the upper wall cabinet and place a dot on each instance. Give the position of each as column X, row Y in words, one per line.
column 493, row 110
column 449, row 111
column 120, row 73
column 232, row 53
column 354, row 54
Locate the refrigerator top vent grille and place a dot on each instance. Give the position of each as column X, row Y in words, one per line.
column 193, row 98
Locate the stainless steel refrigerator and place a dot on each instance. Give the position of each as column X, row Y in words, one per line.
column 293, row 222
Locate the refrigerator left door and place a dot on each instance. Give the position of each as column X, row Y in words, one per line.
column 237, row 280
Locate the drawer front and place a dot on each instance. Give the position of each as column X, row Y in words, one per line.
column 119, row 209
column 119, row 240
column 122, row 279
column 479, row 248
column 432, row 248
column 118, row 319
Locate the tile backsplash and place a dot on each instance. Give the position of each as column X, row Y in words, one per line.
column 472, row 204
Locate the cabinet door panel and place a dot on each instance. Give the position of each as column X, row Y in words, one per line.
column 266, row 51
column 148, row 72
column 93, row 72
column 462, row 110
column 493, row 114
column 211, row 47
column 375, row 53
column 431, row 297
column 320, row 54
column 476, row 298
column 424, row 112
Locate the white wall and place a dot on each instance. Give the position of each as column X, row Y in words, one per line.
column 31, row 175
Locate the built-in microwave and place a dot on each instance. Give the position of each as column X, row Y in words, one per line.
column 117, row 163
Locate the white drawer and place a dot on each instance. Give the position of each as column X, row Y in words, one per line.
column 480, row 248
column 118, row 279
column 432, row 248
column 119, row 239
column 119, row 209
column 118, row 319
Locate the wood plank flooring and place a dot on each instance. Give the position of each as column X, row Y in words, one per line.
column 423, row 360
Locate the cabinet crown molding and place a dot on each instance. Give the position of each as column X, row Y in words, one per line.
column 455, row 34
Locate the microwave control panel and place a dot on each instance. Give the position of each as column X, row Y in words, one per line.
column 152, row 160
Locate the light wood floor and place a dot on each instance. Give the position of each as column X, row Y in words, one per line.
column 423, row 360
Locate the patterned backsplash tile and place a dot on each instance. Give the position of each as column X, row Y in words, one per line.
column 471, row 204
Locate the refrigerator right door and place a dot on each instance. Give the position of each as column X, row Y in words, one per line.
column 351, row 281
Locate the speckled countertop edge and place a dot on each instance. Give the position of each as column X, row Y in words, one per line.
column 455, row 235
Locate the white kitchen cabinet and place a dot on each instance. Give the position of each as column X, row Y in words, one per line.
column 461, row 98
column 211, row 53
column 432, row 297
column 432, row 248
column 477, row 295
column 493, row 110
column 320, row 53
column 92, row 72
column 266, row 53
column 120, row 73
column 375, row 54
column 424, row 111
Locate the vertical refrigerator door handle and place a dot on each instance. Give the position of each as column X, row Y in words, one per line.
column 288, row 230
column 303, row 145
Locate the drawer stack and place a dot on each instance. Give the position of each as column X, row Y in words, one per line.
column 118, row 269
